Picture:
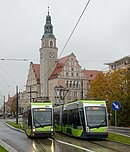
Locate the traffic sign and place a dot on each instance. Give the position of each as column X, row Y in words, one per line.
column 116, row 105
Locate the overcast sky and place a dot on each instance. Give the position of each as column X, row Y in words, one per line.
column 102, row 35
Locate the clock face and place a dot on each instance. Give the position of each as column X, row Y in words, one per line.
column 51, row 54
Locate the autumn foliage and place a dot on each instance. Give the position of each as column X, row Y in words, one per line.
column 114, row 86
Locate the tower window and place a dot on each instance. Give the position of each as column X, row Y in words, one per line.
column 51, row 43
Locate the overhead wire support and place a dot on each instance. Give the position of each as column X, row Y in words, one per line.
column 15, row 59
column 75, row 27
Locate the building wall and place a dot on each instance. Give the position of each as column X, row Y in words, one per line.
column 32, row 85
column 70, row 83
column 121, row 63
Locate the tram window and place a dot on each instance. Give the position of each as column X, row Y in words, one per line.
column 64, row 118
column 77, row 119
column 29, row 118
column 74, row 117
column 57, row 117
column 96, row 116
column 69, row 118
column 42, row 116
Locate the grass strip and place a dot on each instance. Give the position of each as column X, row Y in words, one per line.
column 111, row 136
column 118, row 138
column 12, row 123
column 2, row 149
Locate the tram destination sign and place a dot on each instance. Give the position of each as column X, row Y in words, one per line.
column 116, row 105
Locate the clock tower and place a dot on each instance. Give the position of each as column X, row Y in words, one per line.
column 48, row 56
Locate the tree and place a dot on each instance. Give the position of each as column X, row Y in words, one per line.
column 113, row 86
column 98, row 87
column 128, row 80
column 13, row 106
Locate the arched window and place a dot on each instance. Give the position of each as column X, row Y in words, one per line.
column 51, row 43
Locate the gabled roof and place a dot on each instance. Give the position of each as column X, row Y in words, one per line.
column 37, row 71
column 36, row 68
column 60, row 64
column 90, row 74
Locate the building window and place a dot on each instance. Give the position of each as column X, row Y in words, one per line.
column 88, row 86
column 67, row 84
column 76, row 84
column 75, row 94
column 70, row 84
column 81, row 95
column 51, row 43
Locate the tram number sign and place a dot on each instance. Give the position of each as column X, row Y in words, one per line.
column 116, row 105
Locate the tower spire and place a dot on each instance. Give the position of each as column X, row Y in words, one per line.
column 48, row 28
column 48, row 55
column 48, row 10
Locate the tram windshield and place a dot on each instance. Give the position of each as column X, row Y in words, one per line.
column 42, row 117
column 96, row 116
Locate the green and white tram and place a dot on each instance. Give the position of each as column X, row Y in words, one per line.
column 82, row 119
column 38, row 119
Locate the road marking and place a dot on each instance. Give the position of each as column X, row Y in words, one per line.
column 73, row 145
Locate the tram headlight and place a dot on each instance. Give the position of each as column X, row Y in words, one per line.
column 51, row 129
column 33, row 129
column 87, row 129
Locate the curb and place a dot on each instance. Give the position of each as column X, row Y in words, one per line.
column 7, row 147
column 14, row 128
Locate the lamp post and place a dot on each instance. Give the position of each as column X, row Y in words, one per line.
column 16, row 104
column 82, row 89
column 4, row 106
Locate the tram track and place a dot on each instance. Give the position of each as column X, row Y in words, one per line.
column 108, row 145
column 96, row 143
column 38, row 146
column 44, row 145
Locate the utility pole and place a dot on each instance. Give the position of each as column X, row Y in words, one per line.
column 16, row 104
column 32, row 98
column 82, row 89
column 4, row 106
column 30, row 94
column 63, row 92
